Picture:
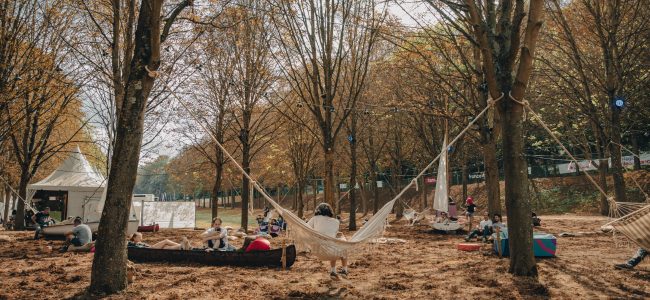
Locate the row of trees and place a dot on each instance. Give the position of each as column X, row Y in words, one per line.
column 297, row 90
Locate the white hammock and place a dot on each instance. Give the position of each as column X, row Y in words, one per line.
column 307, row 238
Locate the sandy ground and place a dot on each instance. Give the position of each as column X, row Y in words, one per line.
column 427, row 266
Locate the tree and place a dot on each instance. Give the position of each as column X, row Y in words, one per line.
column 109, row 263
column 250, row 84
column 39, row 104
column 496, row 29
column 314, row 40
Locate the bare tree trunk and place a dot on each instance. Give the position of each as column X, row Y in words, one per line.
column 615, row 152
column 22, row 192
column 375, row 203
column 492, row 178
column 108, row 273
column 636, row 151
column 464, row 174
column 217, row 183
column 315, row 191
column 301, row 204
column 7, row 196
column 423, row 202
column 353, row 178
column 329, row 189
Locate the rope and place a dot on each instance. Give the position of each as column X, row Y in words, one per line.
column 17, row 194
column 263, row 192
column 526, row 106
column 150, row 73
column 523, row 103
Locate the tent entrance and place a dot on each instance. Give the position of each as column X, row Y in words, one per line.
column 57, row 201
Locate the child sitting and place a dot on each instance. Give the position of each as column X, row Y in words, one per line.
column 275, row 229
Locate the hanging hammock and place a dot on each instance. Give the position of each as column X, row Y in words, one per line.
column 305, row 237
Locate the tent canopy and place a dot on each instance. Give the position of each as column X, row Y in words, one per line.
column 75, row 173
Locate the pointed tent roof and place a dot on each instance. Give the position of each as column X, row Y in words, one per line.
column 74, row 172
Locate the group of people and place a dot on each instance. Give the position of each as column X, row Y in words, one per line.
column 488, row 226
column 269, row 226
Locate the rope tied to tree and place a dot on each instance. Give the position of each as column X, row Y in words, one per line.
column 491, row 103
column 523, row 103
column 152, row 74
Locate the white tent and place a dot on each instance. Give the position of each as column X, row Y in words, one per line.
column 83, row 184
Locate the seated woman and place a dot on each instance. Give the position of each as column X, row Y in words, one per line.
column 136, row 242
column 325, row 222
column 217, row 237
column 483, row 228
column 275, row 229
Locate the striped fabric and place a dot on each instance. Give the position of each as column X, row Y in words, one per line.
column 636, row 226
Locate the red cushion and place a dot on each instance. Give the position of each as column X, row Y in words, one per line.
column 259, row 244
column 468, row 247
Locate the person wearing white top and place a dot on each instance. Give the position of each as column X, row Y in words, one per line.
column 324, row 222
column 216, row 236
column 483, row 228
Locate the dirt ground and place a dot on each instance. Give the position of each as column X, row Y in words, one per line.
column 427, row 266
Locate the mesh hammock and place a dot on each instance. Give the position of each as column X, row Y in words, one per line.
column 305, row 237
column 322, row 246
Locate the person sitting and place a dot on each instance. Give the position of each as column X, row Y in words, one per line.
column 483, row 228
column 136, row 242
column 443, row 218
column 263, row 226
column 497, row 225
column 275, row 229
column 217, row 237
column 282, row 223
column 79, row 238
column 635, row 260
column 536, row 221
column 12, row 220
column 41, row 219
column 324, row 222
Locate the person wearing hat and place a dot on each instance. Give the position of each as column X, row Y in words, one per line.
column 471, row 208
column 79, row 238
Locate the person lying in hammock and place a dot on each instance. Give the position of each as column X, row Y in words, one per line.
column 484, row 228
column 635, row 260
column 136, row 242
column 217, row 237
column 325, row 222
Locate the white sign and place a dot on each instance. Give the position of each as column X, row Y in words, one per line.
column 343, row 185
column 480, row 175
column 380, row 183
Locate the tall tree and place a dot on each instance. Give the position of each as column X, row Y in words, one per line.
column 507, row 62
column 314, row 39
column 143, row 59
